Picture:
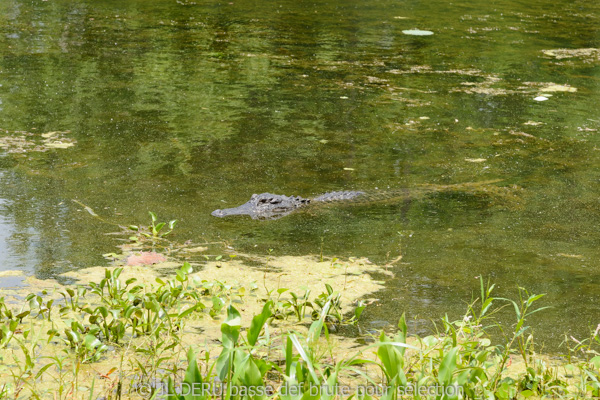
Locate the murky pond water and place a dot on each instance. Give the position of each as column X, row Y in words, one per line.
column 182, row 107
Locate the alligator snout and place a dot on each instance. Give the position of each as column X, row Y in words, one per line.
column 218, row 213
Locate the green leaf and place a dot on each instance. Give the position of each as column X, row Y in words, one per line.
column 223, row 364
column 447, row 367
column 190, row 310
column 91, row 342
column 102, row 310
column 22, row 315
column 391, row 358
column 331, row 385
column 359, row 309
column 305, row 357
column 314, row 332
column 258, row 322
column 230, row 329
column 193, row 377
column 288, row 356
column 539, row 309
column 251, row 375
column 171, row 391
column 42, row 370
column 186, row 268
column 531, row 299
column 526, row 393
column 403, row 327
column 329, row 288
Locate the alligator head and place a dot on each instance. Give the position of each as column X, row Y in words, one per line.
column 265, row 206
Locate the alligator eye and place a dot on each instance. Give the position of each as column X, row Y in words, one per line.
column 275, row 201
column 263, row 201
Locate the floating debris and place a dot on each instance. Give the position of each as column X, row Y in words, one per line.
column 417, row 32
column 59, row 145
column 541, row 98
column 480, row 82
column 25, row 142
column 569, row 255
column 524, row 134
column 559, row 54
column 586, row 129
column 198, row 249
column 558, row 88
column 475, row 160
column 374, row 79
column 546, row 87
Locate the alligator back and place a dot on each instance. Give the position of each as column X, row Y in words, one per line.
column 400, row 194
column 338, row 196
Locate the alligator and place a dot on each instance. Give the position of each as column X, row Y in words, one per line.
column 274, row 206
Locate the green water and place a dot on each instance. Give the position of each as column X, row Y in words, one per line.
column 183, row 107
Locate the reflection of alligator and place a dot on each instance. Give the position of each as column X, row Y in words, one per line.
column 273, row 206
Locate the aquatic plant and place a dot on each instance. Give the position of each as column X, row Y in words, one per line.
column 155, row 229
column 146, row 323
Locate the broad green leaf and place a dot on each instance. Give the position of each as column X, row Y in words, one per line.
column 391, row 358
column 230, row 329
column 447, row 367
column 193, row 377
column 258, row 322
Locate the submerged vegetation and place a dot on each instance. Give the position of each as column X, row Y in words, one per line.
column 125, row 338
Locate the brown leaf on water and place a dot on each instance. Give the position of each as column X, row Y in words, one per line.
column 145, row 258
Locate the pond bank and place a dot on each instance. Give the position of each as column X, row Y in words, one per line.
column 123, row 332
